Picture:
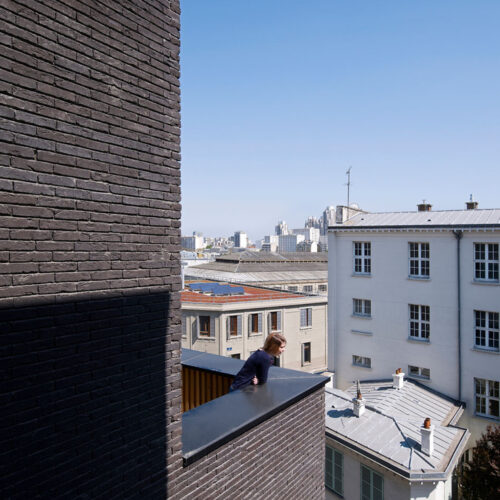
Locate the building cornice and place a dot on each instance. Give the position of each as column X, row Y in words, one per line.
column 417, row 229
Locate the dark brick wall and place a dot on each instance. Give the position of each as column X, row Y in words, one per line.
column 89, row 248
column 282, row 458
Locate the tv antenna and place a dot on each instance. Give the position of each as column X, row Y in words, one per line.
column 348, row 184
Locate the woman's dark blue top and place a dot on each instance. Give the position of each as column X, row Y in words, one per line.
column 257, row 365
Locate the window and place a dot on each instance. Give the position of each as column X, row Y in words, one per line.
column 322, row 288
column 486, row 261
column 306, row 317
column 233, row 327
column 361, row 361
column 418, row 372
column 236, row 356
column 487, row 397
column 362, row 257
column 362, row 307
column 255, row 323
column 205, row 329
column 420, row 325
column 293, row 288
column 306, row 353
column 308, row 288
column 486, row 333
column 184, row 326
column 419, row 260
column 274, row 321
column 334, row 470
column 372, row 485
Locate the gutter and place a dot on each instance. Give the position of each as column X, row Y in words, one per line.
column 458, row 236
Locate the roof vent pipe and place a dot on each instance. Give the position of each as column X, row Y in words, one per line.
column 398, row 379
column 424, row 207
column 427, row 434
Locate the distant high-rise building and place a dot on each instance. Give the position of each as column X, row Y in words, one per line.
column 289, row 242
column 240, row 239
column 309, row 233
column 282, row 228
column 194, row 242
column 312, row 222
column 327, row 219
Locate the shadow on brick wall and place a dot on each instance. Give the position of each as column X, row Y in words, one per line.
column 83, row 399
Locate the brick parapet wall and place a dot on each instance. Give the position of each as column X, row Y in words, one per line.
column 89, row 247
column 281, row 458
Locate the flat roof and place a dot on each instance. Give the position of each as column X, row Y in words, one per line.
column 221, row 420
column 251, row 294
column 389, row 430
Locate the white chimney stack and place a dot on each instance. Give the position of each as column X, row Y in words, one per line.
column 358, row 403
column 427, row 433
column 398, row 379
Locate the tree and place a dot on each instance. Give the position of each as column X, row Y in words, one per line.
column 480, row 478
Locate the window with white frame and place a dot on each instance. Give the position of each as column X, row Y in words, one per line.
column 420, row 321
column 362, row 307
column 307, row 288
column 361, row 361
column 419, row 372
column 322, row 288
column 487, row 397
column 233, row 326
column 372, row 484
column 205, row 326
column 334, row 470
column 362, row 251
column 306, row 317
column 486, row 261
column 486, row 330
column 254, row 323
column 293, row 288
column 306, row 353
column 274, row 321
column 419, row 260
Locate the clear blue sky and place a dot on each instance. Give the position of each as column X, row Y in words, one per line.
column 280, row 97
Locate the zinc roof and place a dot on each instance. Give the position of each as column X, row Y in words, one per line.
column 389, row 430
column 433, row 218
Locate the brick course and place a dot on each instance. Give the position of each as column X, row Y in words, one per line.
column 89, row 247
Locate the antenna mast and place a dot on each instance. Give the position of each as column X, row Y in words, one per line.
column 348, row 184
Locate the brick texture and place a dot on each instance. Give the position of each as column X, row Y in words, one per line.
column 89, row 248
column 282, row 458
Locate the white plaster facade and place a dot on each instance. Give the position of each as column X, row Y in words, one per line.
column 383, row 336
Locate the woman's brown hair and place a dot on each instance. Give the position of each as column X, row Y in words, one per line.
column 273, row 343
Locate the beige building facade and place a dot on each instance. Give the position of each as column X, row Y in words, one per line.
column 236, row 326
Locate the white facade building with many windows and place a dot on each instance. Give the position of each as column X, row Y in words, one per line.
column 420, row 291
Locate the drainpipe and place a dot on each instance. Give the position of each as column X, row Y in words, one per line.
column 458, row 236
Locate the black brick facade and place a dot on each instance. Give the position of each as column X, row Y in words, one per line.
column 89, row 247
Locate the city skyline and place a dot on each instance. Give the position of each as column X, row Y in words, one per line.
column 278, row 103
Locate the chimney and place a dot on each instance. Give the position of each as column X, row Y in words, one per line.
column 471, row 204
column 427, row 434
column 358, row 403
column 398, row 379
column 424, row 207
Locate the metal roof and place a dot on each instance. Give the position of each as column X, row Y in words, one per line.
column 389, row 430
column 442, row 218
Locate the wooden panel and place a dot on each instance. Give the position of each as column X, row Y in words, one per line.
column 200, row 387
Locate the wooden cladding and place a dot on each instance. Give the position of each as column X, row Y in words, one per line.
column 200, row 386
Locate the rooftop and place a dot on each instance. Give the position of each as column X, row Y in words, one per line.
column 434, row 218
column 217, row 422
column 389, row 430
column 250, row 294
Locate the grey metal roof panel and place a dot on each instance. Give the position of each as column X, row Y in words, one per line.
column 389, row 429
column 256, row 277
column 478, row 217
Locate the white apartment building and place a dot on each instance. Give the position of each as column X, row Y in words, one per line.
column 231, row 320
column 309, row 233
column 240, row 239
column 289, row 242
column 195, row 242
column 420, row 291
